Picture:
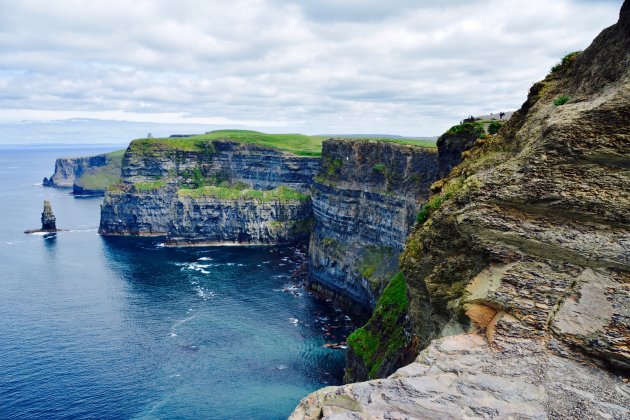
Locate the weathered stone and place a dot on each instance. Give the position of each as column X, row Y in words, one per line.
column 463, row 377
column 209, row 221
column 157, row 210
column 72, row 172
column 49, row 221
column 365, row 200
column 533, row 226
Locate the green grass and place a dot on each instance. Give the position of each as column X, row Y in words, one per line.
column 379, row 167
column 409, row 141
column 297, row 144
column 383, row 335
column 100, row 178
column 494, row 127
column 150, row 185
column 430, row 207
column 282, row 193
column 566, row 62
column 468, row 127
column 561, row 100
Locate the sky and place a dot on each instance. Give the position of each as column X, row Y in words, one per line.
column 99, row 71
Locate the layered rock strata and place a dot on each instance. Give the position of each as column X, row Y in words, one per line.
column 49, row 221
column 526, row 250
column 365, row 200
column 149, row 200
column 86, row 175
column 206, row 220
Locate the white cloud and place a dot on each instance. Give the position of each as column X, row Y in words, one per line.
column 402, row 67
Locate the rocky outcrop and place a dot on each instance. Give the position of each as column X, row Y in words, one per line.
column 463, row 377
column 150, row 201
column 259, row 167
column 523, row 264
column 365, row 200
column 207, row 220
column 87, row 175
column 49, row 221
column 128, row 210
column 454, row 142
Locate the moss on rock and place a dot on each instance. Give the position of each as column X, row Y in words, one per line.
column 379, row 344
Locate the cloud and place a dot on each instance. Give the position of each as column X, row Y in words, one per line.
column 401, row 67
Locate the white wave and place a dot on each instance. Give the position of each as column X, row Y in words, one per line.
column 205, row 294
column 205, row 259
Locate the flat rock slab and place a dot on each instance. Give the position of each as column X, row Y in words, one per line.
column 464, row 377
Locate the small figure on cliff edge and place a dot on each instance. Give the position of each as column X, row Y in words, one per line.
column 49, row 221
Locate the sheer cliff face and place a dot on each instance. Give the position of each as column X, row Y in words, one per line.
column 209, row 220
column 365, row 200
column 146, row 202
column 529, row 255
column 86, row 175
column 260, row 167
column 67, row 170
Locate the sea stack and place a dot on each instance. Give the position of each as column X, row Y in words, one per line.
column 48, row 218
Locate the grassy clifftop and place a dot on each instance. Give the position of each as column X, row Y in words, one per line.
column 297, row 144
column 99, row 178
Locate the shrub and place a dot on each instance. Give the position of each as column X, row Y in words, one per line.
column 379, row 167
column 431, row 206
column 494, row 127
column 566, row 62
column 468, row 127
column 561, row 100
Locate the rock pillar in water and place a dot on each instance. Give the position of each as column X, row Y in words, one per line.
column 48, row 218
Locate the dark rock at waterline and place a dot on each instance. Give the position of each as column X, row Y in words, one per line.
column 49, row 221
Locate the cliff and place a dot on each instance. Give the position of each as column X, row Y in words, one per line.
column 206, row 191
column 87, row 175
column 210, row 216
column 365, row 200
column 518, row 279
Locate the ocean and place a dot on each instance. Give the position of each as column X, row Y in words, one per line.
column 125, row 328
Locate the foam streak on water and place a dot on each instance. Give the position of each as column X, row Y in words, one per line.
column 125, row 328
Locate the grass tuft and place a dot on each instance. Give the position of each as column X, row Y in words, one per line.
column 243, row 192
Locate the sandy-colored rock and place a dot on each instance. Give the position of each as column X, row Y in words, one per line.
column 462, row 377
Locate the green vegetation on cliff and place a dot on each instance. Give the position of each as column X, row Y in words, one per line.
column 566, row 62
column 99, row 178
column 242, row 192
column 150, row 185
column 468, row 127
column 297, row 144
column 383, row 335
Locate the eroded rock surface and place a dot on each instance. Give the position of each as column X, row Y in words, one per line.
column 527, row 250
column 86, row 175
column 463, row 377
column 147, row 202
column 365, row 200
column 49, row 221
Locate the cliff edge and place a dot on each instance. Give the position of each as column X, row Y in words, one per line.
column 518, row 278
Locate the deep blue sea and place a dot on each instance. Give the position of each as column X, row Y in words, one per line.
column 92, row 327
